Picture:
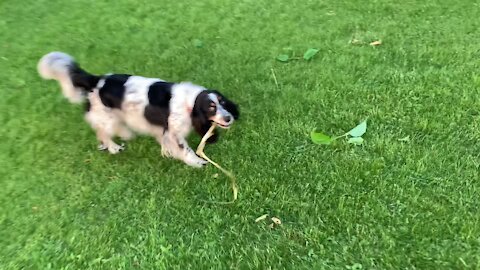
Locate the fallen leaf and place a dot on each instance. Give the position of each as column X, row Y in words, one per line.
column 198, row 43
column 405, row 139
column 276, row 220
column 376, row 43
column 310, row 53
column 260, row 218
column 359, row 130
column 356, row 140
column 356, row 266
column 275, row 78
column 320, row 138
column 34, row 208
column 271, row 225
column 19, row 82
column 283, row 58
column 215, row 175
column 356, row 42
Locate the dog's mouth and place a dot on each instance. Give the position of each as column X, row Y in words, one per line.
column 224, row 125
column 223, row 120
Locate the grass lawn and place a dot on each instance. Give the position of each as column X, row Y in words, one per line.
column 389, row 204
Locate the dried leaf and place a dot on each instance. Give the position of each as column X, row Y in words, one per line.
column 283, row 58
column 276, row 220
column 376, row 43
column 260, row 218
column 275, row 78
column 355, row 41
column 271, row 225
column 356, row 266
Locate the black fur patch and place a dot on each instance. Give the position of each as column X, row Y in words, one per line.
column 82, row 79
column 158, row 110
column 200, row 115
column 227, row 104
column 113, row 90
column 88, row 106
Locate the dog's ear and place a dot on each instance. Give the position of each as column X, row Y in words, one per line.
column 231, row 107
column 228, row 104
column 201, row 124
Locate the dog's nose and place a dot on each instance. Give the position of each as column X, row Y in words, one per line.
column 227, row 118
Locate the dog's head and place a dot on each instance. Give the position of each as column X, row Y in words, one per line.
column 212, row 106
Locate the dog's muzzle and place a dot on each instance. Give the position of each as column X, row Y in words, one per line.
column 224, row 120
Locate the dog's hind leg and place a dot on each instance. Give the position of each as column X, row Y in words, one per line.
column 106, row 142
column 124, row 132
column 105, row 125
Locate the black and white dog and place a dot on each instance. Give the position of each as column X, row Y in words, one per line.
column 122, row 105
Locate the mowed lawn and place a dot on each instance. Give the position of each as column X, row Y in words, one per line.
column 389, row 204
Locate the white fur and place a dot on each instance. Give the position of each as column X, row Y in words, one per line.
column 105, row 123
column 109, row 122
column 130, row 118
column 55, row 65
column 220, row 113
column 134, row 103
column 181, row 105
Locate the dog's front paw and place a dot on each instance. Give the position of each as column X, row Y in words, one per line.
column 196, row 161
column 115, row 148
column 102, row 147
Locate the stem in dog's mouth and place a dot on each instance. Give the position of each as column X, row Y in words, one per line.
column 221, row 125
column 200, row 152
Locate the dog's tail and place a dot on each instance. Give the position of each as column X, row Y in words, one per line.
column 75, row 82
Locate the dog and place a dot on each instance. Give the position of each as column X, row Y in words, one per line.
column 125, row 105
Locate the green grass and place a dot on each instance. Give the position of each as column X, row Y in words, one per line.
column 387, row 205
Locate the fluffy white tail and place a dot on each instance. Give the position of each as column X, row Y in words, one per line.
column 72, row 79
